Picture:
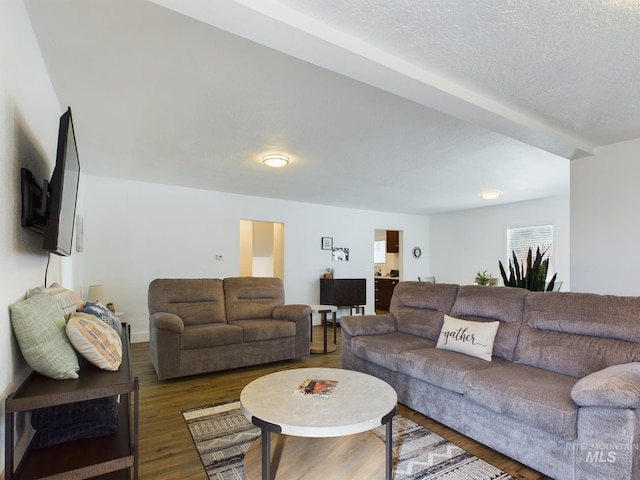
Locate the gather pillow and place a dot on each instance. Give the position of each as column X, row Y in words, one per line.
column 95, row 340
column 39, row 325
column 104, row 314
column 468, row 337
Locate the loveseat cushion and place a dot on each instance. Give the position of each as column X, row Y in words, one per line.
column 195, row 300
column 539, row 398
column 249, row 298
column 385, row 350
column 256, row 330
column 210, row 335
column 579, row 333
column 443, row 368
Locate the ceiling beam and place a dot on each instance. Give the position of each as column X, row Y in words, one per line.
column 273, row 25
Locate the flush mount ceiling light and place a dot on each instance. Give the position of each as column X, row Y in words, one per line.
column 275, row 160
column 490, row 194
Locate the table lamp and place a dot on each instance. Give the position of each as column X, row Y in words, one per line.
column 96, row 294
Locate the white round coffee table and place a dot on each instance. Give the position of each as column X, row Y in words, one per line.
column 359, row 403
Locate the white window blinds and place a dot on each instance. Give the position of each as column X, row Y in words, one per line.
column 520, row 239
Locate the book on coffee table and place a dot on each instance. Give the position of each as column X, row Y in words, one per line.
column 315, row 387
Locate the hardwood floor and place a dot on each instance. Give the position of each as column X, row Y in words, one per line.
column 167, row 451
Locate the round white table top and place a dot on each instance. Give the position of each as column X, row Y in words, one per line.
column 357, row 404
column 318, row 308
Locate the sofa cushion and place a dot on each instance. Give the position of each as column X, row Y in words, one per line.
column 38, row 323
column 471, row 338
column 419, row 307
column 579, row 333
column 250, row 298
column 385, row 350
column 256, row 330
column 356, row 325
column 195, row 300
column 443, row 368
column 475, row 302
column 539, row 398
column 209, row 335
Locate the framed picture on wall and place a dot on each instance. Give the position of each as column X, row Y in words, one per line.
column 327, row 243
column 340, row 254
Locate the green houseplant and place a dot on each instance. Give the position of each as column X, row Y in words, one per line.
column 533, row 277
column 484, row 278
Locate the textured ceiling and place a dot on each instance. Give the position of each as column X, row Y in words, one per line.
column 408, row 106
column 575, row 64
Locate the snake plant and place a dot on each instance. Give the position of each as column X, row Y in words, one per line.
column 533, row 277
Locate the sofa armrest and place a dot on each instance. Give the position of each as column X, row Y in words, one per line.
column 617, row 386
column 301, row 315
column 167, row 321
column 291, row 312
column 357, row 325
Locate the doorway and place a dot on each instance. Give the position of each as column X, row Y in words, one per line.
column 261, row 249
column 387, row 251
column 387, row 256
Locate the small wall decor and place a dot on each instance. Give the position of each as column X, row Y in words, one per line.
column 340, row 254
column 327, row 243
column 79, row 234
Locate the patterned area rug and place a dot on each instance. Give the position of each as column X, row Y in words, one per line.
column 222, row 435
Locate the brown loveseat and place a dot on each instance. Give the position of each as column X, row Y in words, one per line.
column 207, row 325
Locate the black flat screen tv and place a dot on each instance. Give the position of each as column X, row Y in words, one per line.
column 62, row 192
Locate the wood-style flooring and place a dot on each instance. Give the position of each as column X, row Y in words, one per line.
column 166, row 450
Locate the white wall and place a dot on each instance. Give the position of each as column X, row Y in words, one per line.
column 135, row 232
column 29, row 114
column 605, row 224
column 463, row 243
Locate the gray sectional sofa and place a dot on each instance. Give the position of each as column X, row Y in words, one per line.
column 561, row 393
column 210, row 324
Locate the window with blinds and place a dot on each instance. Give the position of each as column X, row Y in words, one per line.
column 520, row 239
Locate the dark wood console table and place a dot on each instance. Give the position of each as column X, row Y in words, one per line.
column 109, row 456
column 344, row 292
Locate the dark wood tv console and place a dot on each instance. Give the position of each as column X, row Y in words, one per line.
column 344, row 292
column 112, row 456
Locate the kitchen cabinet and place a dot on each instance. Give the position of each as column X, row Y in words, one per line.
column 393, row 241
column 384, row 291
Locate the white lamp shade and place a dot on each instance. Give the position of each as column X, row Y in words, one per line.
column 96, row 294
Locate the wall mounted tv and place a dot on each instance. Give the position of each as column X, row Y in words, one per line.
column 51, row 210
